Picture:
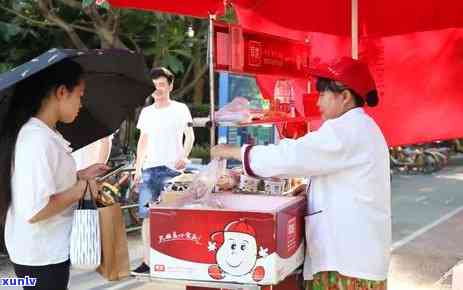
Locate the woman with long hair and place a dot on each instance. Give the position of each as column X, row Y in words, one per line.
column 39, row 184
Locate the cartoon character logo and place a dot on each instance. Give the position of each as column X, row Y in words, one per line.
column 237, row 252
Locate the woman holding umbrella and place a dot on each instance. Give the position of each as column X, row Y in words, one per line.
column 348, row 225
column 39, row 186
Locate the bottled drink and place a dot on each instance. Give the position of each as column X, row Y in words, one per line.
column 284, row 97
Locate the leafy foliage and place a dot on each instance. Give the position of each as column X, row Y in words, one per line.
column 29, row 27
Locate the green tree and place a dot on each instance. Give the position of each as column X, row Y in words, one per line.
column 31, row 26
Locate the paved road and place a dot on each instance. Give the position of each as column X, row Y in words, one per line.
column 420, row 200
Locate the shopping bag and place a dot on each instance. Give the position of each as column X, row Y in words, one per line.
column 115, row 252
column 85, row 251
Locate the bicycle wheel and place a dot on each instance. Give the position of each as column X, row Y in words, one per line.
column 441, row 157
column 432, row 163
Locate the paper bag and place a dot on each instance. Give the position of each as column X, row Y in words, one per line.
column 114, row 248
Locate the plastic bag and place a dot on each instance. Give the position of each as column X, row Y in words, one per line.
column 238, row 104
column 199, row 193
column 236, row 111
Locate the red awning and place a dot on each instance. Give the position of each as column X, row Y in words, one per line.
column 376, row 18
column 199, row 8
column 414, row 47
column 419, row 75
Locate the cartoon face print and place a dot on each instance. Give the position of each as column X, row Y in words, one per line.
column 238, row 254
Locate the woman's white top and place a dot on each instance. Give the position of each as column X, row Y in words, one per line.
column 42, row 166
column 347, row 160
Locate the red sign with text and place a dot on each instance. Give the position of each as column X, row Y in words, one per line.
column 244, row 51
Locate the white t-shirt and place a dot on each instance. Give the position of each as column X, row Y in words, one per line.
column 43, row 166
column 165, row 128
column 90, row 154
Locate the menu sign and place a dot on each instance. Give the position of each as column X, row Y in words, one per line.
column 243, row 51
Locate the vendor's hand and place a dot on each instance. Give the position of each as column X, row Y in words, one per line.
column 93, row 171
column 180, row 164
column 226, row 151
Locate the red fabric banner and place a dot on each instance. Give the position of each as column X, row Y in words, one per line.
column 422, row 97
column 419, row 76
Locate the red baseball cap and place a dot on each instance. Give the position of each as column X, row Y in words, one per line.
column 352, row 73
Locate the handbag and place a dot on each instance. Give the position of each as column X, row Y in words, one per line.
column 85, row 252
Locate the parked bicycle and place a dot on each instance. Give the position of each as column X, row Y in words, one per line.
column 123, row 189
column 423, row 158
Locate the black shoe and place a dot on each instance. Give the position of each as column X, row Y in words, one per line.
column 143, row 269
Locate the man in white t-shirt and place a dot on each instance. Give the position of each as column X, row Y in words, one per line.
column 161, row 151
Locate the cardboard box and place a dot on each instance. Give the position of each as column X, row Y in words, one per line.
column 170, row 197
column 257, row 239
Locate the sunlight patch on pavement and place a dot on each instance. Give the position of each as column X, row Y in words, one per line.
column 456, row 176
column 426, row 189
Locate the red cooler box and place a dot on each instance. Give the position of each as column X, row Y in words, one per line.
column 256, row 239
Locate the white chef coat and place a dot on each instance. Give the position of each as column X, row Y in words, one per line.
column 43, row 166
column 347, row 160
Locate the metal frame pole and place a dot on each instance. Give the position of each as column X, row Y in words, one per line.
column 354, row 18
column 211, row 77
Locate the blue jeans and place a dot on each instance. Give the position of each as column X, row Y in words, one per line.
column 153, row 180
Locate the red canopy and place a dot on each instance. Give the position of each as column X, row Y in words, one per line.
column 378, row 18
column 414, row 48
column 199, row 8
column 419, row 77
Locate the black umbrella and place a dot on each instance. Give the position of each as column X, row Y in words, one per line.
column 117, row 81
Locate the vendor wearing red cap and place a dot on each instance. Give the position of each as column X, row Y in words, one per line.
column 347, row 161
